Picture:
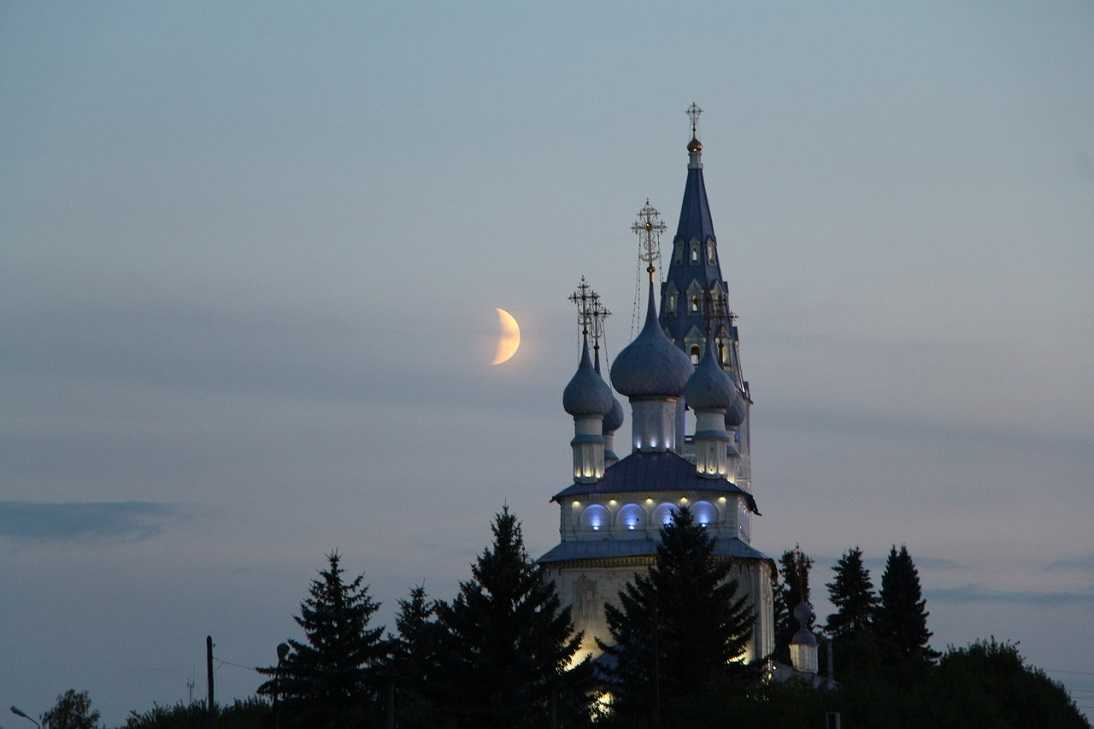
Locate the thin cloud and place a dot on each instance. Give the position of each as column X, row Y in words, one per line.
column 76, row 521
column 972, row 593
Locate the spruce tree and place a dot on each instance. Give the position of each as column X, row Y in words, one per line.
column 794, row 588
column 506, row 643
column 413, row 659
column 677, row 630
column 902, row 618
column 851, row 626
column 327, row 681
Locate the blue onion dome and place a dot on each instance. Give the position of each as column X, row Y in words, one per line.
column 613, row 421
column 651, row 365
column 735, row 415
column 587, row 393
column 710, row 388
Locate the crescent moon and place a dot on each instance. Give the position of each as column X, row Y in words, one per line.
column 508, row 339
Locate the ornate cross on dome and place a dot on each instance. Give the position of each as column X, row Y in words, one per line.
column 694, row 111
column 584, row 299
column 649, row 228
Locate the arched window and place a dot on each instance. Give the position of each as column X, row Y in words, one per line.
column 695, row 304
column 670, row 299
column 695, row 251
column 632, row 517
column 711, row 254
column 596, row 517
column 664, row 514
column 705, row 513
column 695, row 354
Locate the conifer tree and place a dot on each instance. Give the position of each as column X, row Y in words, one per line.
column 327, row 681
column 413, row 659
column 794, row 567
column 851, row 626
column 902, row 617
column 677, row 630
column 506, row 643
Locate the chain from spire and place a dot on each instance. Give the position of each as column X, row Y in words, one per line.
column 649, row 228
column 599, row 314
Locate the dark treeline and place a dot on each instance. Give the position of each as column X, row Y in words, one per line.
column 501, row 654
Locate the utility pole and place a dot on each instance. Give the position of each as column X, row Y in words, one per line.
column 209, row 674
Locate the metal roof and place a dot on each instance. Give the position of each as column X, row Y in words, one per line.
column 609, row 548
column 642, row 472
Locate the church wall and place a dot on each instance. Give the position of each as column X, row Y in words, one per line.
column 586, row 589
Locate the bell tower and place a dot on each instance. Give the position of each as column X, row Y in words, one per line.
column 694, row 278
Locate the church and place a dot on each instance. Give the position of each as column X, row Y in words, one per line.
column 690, row 440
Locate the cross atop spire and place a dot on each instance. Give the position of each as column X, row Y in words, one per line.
column 693, row 112
column 649, row 228
column 584, row 298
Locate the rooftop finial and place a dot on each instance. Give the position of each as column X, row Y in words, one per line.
column 649, row 228
column 695, row 147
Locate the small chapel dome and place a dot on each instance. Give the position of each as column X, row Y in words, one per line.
column 735, row 414
column 587, row 393
column 651, row 365
column 613, row 421
column 710, row 388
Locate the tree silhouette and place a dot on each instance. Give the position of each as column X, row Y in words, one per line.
column 414, row 659
column 328, row 680
column 72, row 711
column 507, row 642
column 678, row 630
column 851, row 626
column 902, row 617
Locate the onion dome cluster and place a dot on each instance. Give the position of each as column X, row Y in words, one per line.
column 651, row 366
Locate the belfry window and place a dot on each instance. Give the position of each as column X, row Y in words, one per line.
column 712, row 257
column 694, row 304
column 695, row 354
column 695, row 252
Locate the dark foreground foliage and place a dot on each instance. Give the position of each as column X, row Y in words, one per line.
column 250, row 714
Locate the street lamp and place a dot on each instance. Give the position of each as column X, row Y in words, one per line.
column 15, row 710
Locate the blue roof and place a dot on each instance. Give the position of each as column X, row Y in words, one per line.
column 609, row 548
column 652, row 471
column 695, row 222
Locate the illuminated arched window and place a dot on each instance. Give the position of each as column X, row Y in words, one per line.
column 664, row 514
column 695, row 251
column 695, row 354
column 631, row 517
column 705, row 513
column 711, row 254
column 595, row 517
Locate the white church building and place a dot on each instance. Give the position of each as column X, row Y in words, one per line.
column 685, row 360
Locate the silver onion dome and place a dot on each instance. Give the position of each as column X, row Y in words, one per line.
column 587, row 393
column 651, row 366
